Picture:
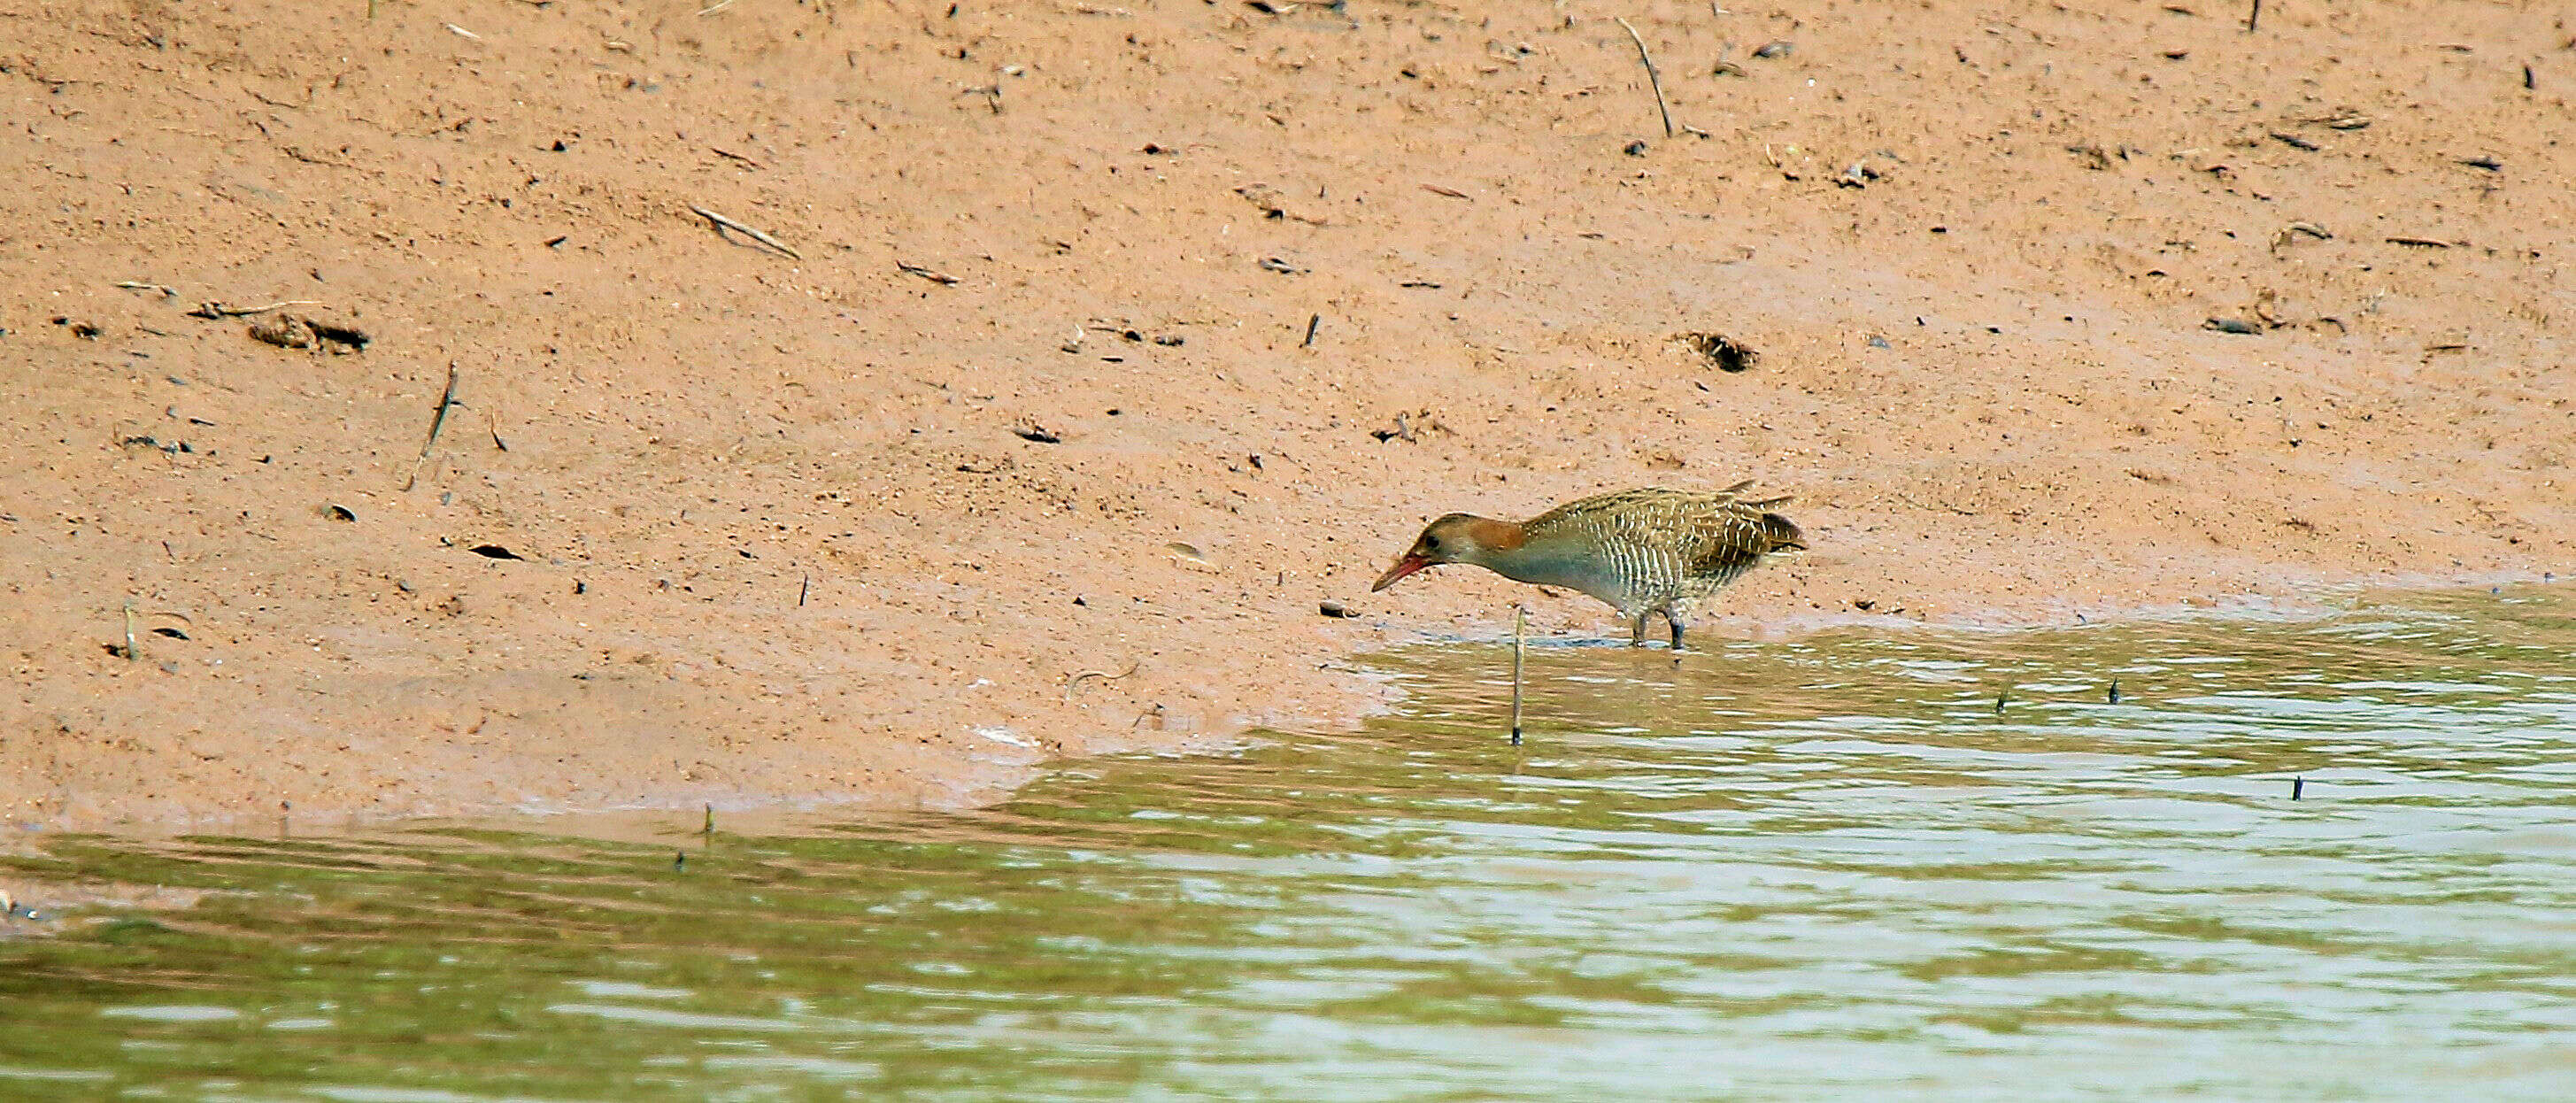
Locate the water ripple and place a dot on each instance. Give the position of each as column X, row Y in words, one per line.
column 1918, row 866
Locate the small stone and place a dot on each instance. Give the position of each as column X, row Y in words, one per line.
column 1336, row 609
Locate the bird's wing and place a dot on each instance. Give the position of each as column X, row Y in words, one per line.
column 1725, row 540
column 1698, row 528
column 1583, row 512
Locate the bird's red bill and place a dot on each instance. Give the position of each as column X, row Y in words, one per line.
column 1403, row 567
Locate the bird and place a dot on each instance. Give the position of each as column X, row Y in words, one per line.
column 1650, row 550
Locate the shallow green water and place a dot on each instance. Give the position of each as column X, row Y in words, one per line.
column 1818, row 869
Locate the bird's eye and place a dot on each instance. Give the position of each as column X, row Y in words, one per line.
column 1431, row 543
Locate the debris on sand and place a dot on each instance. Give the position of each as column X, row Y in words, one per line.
column 296, row 331
column 1722, row 352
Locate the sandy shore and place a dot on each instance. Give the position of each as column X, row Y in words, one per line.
column 1116, row 338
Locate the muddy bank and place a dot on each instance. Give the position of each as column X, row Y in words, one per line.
column 1063, row 286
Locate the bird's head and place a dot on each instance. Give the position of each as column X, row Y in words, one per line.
column 1456, row 538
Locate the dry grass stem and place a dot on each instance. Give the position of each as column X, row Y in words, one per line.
column 436, row 423
column 1520, row 627
column 1653, row 79
column 722, row 223
column 1103, row 675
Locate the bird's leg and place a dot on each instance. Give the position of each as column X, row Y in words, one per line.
column 1637, row 629
column 1674, row 618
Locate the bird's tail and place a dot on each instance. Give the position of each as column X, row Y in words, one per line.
column 1783, row 533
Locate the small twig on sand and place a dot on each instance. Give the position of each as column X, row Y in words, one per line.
column 2253, row 17
column 1919, row 505
column 722, row 223
column 130, row 653
column 729, row 154
column 219, row 310
column 803, row 588
column 941, row 278
column 1520, row 624
column 1312, row 321
column 435, row 424
column 135, row 285
column 713, row 8
column 1103, row 675
column 1656, row 80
